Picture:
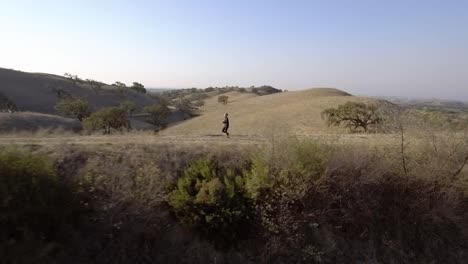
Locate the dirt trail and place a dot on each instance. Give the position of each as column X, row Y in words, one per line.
column 208, row 139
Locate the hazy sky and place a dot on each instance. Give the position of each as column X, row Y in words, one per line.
column 400, row 48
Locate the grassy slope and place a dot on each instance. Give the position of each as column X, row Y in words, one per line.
column 30, row 121
column 34, row 92
column 298, row 112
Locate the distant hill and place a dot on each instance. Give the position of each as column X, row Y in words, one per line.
column 158, row 90
column 298, row 112
column 429, row 103
column 37, row 92
column 194, row 94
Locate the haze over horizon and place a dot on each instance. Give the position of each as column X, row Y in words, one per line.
column 401, row 48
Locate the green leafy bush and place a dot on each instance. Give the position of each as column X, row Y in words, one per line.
column 288, row 167
column 74, row 107
column 212, row 200
column 128, row 106
column 37, row 207
column 107, row 119
column 158, row 114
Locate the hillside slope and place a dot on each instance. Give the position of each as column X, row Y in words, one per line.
column 28, row 121
column 35, row 92
column 297, row 112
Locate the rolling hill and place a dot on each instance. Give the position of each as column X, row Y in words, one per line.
column 298, row 112
column 36, row 92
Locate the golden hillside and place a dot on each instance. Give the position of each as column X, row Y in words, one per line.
column 297, row 112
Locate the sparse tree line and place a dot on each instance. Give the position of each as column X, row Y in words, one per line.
column 110, row 118
column 98, row 86
column 200, row 94
column 190, row 99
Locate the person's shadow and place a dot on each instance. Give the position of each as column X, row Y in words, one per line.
column 215, row 135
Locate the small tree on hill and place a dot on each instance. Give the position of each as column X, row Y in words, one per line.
column 223, row 99
column 107, row 119
column 184, row 105
column 138, row 87
column 74, row 107
column 95, row 85
column 158, row 114
column 353, row 115
column 128, row 106
column 6, row 105
column 121, row 87
column 72, row 77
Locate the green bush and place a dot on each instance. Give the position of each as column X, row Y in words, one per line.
column 158, row 114
column 212, row 200
column 128, row 106
column 74, row 107
column 37, row 207
column 107, row 119
column 287, row 168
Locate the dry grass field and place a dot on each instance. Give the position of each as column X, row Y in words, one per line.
column 284, row 188
column 297, row 113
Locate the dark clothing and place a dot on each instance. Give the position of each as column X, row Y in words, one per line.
column 226, row 122
column 226, row 126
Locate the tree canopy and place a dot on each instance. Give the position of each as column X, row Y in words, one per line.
column 128, row 106
column 74, row 107
column 158, row 114
column 107, row 118
column 353, row 115
column 138, row 87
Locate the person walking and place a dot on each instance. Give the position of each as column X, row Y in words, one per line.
column 226, row 124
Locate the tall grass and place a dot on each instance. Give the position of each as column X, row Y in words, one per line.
column 288, row 201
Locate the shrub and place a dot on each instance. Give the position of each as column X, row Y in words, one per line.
column 212, row 200
column 38, row 208
column 353, row 115
column 184, row 105
column 73, row 107
column 223, row 99
column 158, row 114
column 107, row 119
column 128, row 106
column 287, row 166
column 6, row 105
